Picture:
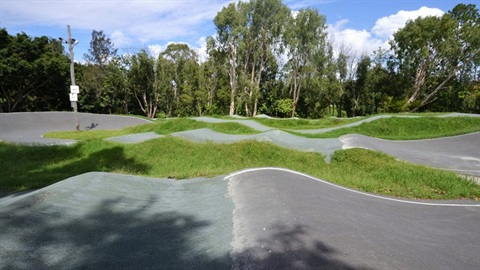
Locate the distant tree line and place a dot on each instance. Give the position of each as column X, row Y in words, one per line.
column 264, row 58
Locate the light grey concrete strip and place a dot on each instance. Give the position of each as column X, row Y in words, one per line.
column 111, row 221
column 354, row 124
column 458, row 153
column 460, row 115
column 281, row 138
column 28, row 127
column 283, row 220
column 249, row 123
column 135, row 138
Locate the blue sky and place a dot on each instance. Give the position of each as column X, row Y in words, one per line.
column 132, row 25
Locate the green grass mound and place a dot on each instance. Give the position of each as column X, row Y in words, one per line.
column 26, row 167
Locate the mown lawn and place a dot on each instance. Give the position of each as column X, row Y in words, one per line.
column 397, row 128
column 27, row 167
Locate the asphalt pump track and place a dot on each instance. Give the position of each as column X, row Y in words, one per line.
column 264, row 218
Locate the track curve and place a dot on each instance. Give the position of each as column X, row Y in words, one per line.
column 28, row 127
column 263, row 218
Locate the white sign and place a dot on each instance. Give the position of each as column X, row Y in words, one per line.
column 73, row 97
column 74, row 89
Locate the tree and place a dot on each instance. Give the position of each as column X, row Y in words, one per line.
column 141, row 79
column 305, row 39
column 186, row 98
column 101, row 49
column 261, row 40
column 432, row 51
column 95, row 96
column 33, row 73
column 228, row 23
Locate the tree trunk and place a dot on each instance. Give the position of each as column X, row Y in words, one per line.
column 419, row 82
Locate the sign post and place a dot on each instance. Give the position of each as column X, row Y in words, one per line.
column 74, row 89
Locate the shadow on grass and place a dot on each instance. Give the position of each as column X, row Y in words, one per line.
column 27, row 167
column 113, row 234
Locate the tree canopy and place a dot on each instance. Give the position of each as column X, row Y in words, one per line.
column 263, row 58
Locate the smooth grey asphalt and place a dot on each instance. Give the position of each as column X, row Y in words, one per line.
column 258, row 219
column 459, row 153
column 283, row 220
column 110, row 221
column 28, row 127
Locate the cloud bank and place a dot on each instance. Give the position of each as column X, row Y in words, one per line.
column 367, row 41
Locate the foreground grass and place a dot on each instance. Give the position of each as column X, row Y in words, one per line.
column 396, row 128
column 160, row 127
column 33, row 167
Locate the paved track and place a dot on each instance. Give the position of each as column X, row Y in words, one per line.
column 257, row 219
column 283, row 220
column 459, row 153
column 324, row 146
column 28, row 128
column 111, row 221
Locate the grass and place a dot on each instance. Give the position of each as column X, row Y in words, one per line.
column 26, row 167
column 160, row 127
column 396, row 128
column 34, row 167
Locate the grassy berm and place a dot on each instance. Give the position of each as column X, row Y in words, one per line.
column 27, row 167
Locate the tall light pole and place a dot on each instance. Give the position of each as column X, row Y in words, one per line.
column 73, row 88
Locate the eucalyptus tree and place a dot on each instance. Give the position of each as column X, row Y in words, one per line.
column 226, row 44
column 99, row 56
column 431, row 52
column 261, row 39
column 101, row 50
column 185, row 98
column 208, row 84
column 305, row 41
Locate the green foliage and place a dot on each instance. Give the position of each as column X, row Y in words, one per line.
column 33, row 73
column 432, row 52
column 284, row 107
column 433, row 66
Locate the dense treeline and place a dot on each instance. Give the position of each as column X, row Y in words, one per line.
column 264, row 58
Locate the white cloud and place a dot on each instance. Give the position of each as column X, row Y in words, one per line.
column 156, row 49
column 386, row 26
column 363, row 41
column 357, row 41
column 119, row 39
column 201, row 49
column 139, row 20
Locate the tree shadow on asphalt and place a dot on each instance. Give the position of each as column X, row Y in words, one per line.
column 122, row 233
column 28, row 167
column 290, row 247
column 112, row 235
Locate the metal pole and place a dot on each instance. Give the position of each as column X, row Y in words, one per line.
column 72, row 76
